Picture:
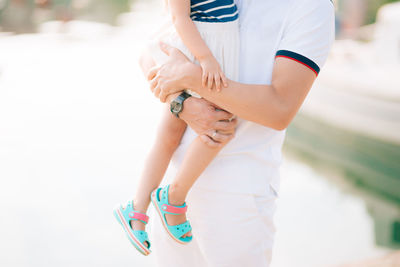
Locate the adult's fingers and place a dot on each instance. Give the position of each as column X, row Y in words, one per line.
column 225, row 125
column 222, row 115
column 163, row 96
column 227, row 132
column 232, row 118
column 157, row 90
column 153, row 84
column 219, row 136
column 209, row 141
column 152, row 73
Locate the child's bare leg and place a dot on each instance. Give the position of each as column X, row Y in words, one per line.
column 168, row 137
column 196, row 160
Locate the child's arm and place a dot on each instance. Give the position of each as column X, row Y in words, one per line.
column 180, row 11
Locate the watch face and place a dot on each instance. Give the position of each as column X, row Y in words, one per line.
column 176, row 107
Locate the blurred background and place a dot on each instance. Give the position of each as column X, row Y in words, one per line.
column 73, row 136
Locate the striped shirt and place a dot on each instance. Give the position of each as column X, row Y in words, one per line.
column 213, row 10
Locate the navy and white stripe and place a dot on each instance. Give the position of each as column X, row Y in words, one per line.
column 213, row 10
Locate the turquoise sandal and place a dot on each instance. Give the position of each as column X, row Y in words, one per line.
column 163, row 207
column 124, row 216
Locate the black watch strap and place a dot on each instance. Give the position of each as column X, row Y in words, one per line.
column 176, row 106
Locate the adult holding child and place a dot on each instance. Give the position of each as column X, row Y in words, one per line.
column 283, row 45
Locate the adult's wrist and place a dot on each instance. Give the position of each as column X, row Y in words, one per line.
column 183, row 114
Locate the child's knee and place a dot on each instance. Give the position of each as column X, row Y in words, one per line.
column 171, row 136
column 172, row 139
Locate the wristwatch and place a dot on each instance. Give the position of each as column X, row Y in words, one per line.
column 176, row 105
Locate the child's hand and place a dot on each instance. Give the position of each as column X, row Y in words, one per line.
column 212, row 73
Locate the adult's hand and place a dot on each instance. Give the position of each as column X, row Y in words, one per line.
column 215, row 126
column 169, row 77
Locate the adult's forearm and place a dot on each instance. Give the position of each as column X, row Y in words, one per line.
column 272, row 105
column 258, row 103
column 261, row 104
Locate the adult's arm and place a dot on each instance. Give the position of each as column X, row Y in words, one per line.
column 273, row 105
column 307, row 36
column 201, row 115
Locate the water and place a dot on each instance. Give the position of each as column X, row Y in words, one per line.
column 318, row 223
column 72, row 139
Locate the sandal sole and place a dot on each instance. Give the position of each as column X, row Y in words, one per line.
column 135, row 242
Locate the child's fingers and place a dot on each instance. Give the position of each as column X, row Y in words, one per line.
column 224, row 79
column 217, row 80
column 204, row 79
column 210, row 80
column 222, row 83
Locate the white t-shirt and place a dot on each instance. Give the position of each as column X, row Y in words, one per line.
column 302, row 30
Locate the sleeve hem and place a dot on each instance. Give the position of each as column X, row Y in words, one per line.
column 300, row 59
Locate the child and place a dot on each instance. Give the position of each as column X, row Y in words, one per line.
column 206, row 31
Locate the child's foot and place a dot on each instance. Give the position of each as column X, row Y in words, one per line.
column 139, row 225
column 172, row 215
column 176, row 200
column 125, row 214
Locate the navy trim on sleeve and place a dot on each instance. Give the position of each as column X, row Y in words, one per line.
column 299, row 58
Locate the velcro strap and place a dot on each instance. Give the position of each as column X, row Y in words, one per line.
column 139, row 216
column 174, row 209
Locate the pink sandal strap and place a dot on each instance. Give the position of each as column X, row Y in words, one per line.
column 139, row 216
column 173, row 209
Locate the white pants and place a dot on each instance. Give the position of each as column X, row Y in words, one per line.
column 229, row 230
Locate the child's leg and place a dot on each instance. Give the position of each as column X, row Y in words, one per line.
column 168, row 137
column 197, row 158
